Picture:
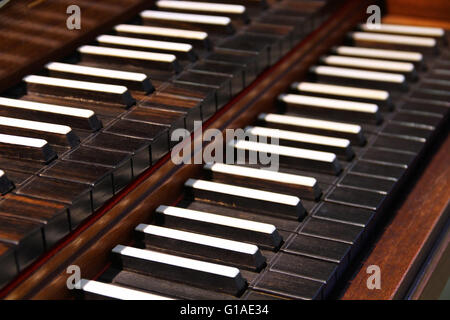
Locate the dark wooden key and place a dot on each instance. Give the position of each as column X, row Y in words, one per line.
column 76, row 195
column 340, row 147
column 234, row 72
column 119, row 161
column 23, row 166
column 200, row 22
column 330, row 108
column 297, row 185
column 354, row 197
column 352, row 215
column 248, row 61
column 202, row 247
column 198, row 39
column 385, row 156
column 131, row 80
column 191, row 107
column 289, row 286
column 408, row 131
column 183, row 51
column 389, row 171
column 27, row 110
column 262, row 234
column 221, row 85
column 249, row 199
column 157, row 134
column 234, row 11
column 25, row 237
column 136, row 58
column 18, row 178
column 349, row 131
column 301, row 24
column 427, row 106
column 98, row 290
column 19, row 147
column 198, row 273
column 308, row 268
column 367, row 183
column 7, row 264
column 116, row 95
column 419, row 119
column 52, row 216
column 5, row 184
column 98, row 177
column 393, row 142
column 284, row 34
column 52, row 133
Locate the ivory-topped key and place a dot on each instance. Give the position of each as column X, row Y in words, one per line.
column 359, row 78
column 330, row 108
column 403, row 29
column 28, row 110
column 202, row 247
column 95, row 289
column 339, row 146
column 136, row 58
column 250, row 199
column 54, row 133
column 5, row 184
column 353, row 132
column 263, row 234
column 379, row 97
column 199, row 22
column 198, row 39
column 405, row 68
column 131, row 80
column 198, row 273
column 297, row 185
column 25, row 148
column 296, row 157
column 94, row 91
column 178, row 49
column 399, row 55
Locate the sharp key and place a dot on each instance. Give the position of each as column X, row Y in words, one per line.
column 330, row 108
column 136, row 58
column 94, row 91
column 301, row 186
column 263, row 234
column 339, row 146
column 352, row 132
column 198, row 39
column 94, row 290
column 247, row 198
column 202, row 274
column 5, row 184
column 76, row 118
column 203, row 247
column 19, row 147
column 183, row 51
column 132, row 80
column 296, row 157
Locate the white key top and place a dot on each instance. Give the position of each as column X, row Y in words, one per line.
column 132, row 80
column 106, row 290
column 203, row 274
column 338, row 146
column 80, row 89
column 263, row 234
column 185, row 17
column 394, row 39
column 53, row 133
column 411, row 56
column 404, row 29
column 269, row 180
column 379, row 97
column 297, row 157
column 204, row 247
column 338, row 129
column 181, row 50
column 247, row 198
column 353, row 111
column 196, row 38
column 75, row 117
column 5, row 184
column 137, row 58
column 201, row 6
column 387, row 65
column 18, row 147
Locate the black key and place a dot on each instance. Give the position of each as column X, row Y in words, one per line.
column 398, row 143
column 359, row 198
column 7, row 264
column 346, row 214
column 407, row 131
column 20, row 147
column 388, row 156
column 283, row 34
column 5, row 184
column 248, row 61
column 436, row 107
column 421, row 119
column 332, row 230
column 368, row 183
column 391, row 171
